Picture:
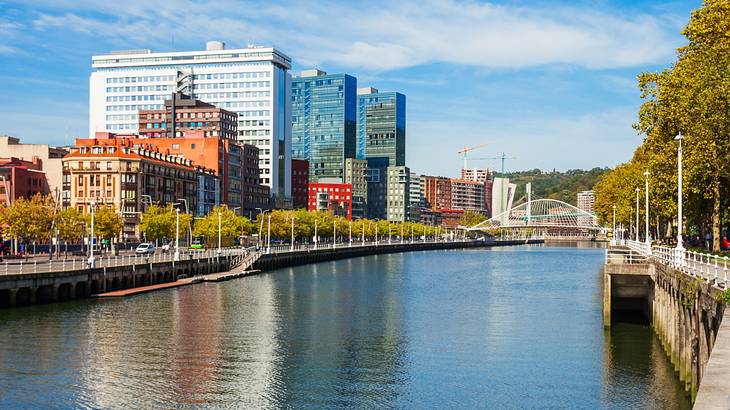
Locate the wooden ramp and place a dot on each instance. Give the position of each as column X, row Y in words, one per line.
column 145, row 289
column 220, row 277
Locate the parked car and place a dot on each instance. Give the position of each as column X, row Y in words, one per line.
column 145, row 249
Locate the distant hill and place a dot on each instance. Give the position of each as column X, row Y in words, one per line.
column 555, row 185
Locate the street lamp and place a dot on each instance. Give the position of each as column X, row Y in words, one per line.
column 637, row 214
column 190, row 227
column 261, row 226
column 268, row 236
column 177, row 233
column 219, row 232
column 292, row 234
column 614, row 225
column 350, row 233
column 315, row 233
column 92, row 262
column 389, row 225
column 680, row 245
column 646, row 210
column 334, row 233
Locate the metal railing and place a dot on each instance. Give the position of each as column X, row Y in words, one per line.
column 621, row 256
column 710, row 268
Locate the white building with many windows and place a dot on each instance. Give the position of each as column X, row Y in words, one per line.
column 254, row 82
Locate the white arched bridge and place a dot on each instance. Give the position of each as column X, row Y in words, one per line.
column 542, row 214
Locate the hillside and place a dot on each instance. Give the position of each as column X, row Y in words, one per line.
column 555, row 185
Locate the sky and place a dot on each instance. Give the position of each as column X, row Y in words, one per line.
column 550, row 83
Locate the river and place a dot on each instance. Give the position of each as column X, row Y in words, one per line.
column 512, row 327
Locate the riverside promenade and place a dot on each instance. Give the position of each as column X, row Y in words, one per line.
column 59, row 281
column 683, row 295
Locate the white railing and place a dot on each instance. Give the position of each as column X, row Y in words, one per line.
column 641, row 247
column 710, row 268
column 618, row 256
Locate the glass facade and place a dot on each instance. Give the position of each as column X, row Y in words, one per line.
column 324, row 123
column 382, row 127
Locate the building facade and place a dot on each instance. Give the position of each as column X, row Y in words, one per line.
column 190, row 115
column 416, row 199
column 324, row 117
column 116, row 173
column 253, row 82
column 437, row 191
column 355, row 170
column 381, row 126
column 398, row 199
column 376, row 176
column 21, row 179
column 332, row 197
column 468, row 195
column 300, row 183
column 586, row 200
column 49, row 157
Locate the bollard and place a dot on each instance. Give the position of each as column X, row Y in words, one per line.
column 35, row 266
column 63, row 265
column 50, row 265
column 21, row 266
column 6, row 267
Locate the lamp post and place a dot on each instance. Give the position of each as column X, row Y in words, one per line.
column 350, row 233
column 190, row 227
column 315, row 233
column 268, row 236
column 401, row 233
column 363, row 232
column 292, row 234
column 92, row 262
column 219, row 232
column 177, row 234
column 614, row 225
column 680, row 224
column 646, row 208
column 261, row 226
column 389, row 225
column 334, row 233
column 637, row 214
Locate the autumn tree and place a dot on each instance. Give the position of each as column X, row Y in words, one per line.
column 231, row 226
column 70, row 224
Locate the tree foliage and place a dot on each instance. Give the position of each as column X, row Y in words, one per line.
column 29, row 219
column 563, row 186
column 107, row 222
column 691, row 97
column 160, row 222
column 231, row 226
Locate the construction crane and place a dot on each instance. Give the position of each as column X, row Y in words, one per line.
column 502, row 157
column 468, row 149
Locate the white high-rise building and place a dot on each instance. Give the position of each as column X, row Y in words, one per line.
column 254, row 82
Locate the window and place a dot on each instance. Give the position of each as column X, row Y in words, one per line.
column 108, row 165
column 176, row 146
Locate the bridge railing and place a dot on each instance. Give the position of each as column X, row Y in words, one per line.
column 713, row 269
column 619, row 256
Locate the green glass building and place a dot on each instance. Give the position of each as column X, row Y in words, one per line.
column 381, row 126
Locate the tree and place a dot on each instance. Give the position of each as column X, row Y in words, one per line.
column 231, row 226
column 471, row 218
column 691, row 97
column 107, row 222
column 30, row 219
column 70, row 224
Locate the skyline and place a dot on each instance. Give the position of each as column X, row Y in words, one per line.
column 567, row 72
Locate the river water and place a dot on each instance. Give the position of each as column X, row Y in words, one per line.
column 492, row 328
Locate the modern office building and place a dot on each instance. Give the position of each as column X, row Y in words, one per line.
column 253, row 82
column 381, row 125
column 114, row 172
column 324, row 117
column 377, row 180
column 355, row 170
column 398, row 198
column 299, row 183
column 190, row 115
column 332, row 197
column 47, row 156
column 21, row 179
column 416, row 199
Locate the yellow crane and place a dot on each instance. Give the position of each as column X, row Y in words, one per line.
column 469, row 149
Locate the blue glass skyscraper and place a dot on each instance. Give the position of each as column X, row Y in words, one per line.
column 324, row 116
column 381, row 126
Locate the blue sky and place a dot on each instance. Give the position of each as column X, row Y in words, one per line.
column 551, row 83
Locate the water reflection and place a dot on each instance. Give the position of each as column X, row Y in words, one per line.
column 506, row 327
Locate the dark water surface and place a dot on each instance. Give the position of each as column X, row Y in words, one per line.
column 501, row 328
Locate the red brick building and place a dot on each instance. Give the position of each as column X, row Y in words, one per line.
column 299, row 182
column 21, row 179
column 332, row 197
column 190, row 115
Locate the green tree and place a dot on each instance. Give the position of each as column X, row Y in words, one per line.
column 691, row 97
column 471, row 218
column 30, row 219
column 107, row 222
column 232, row 226
column 71, row 224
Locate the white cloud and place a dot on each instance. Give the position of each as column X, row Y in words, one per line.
column 383, row 36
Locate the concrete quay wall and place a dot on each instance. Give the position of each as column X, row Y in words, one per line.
column 287, row 259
